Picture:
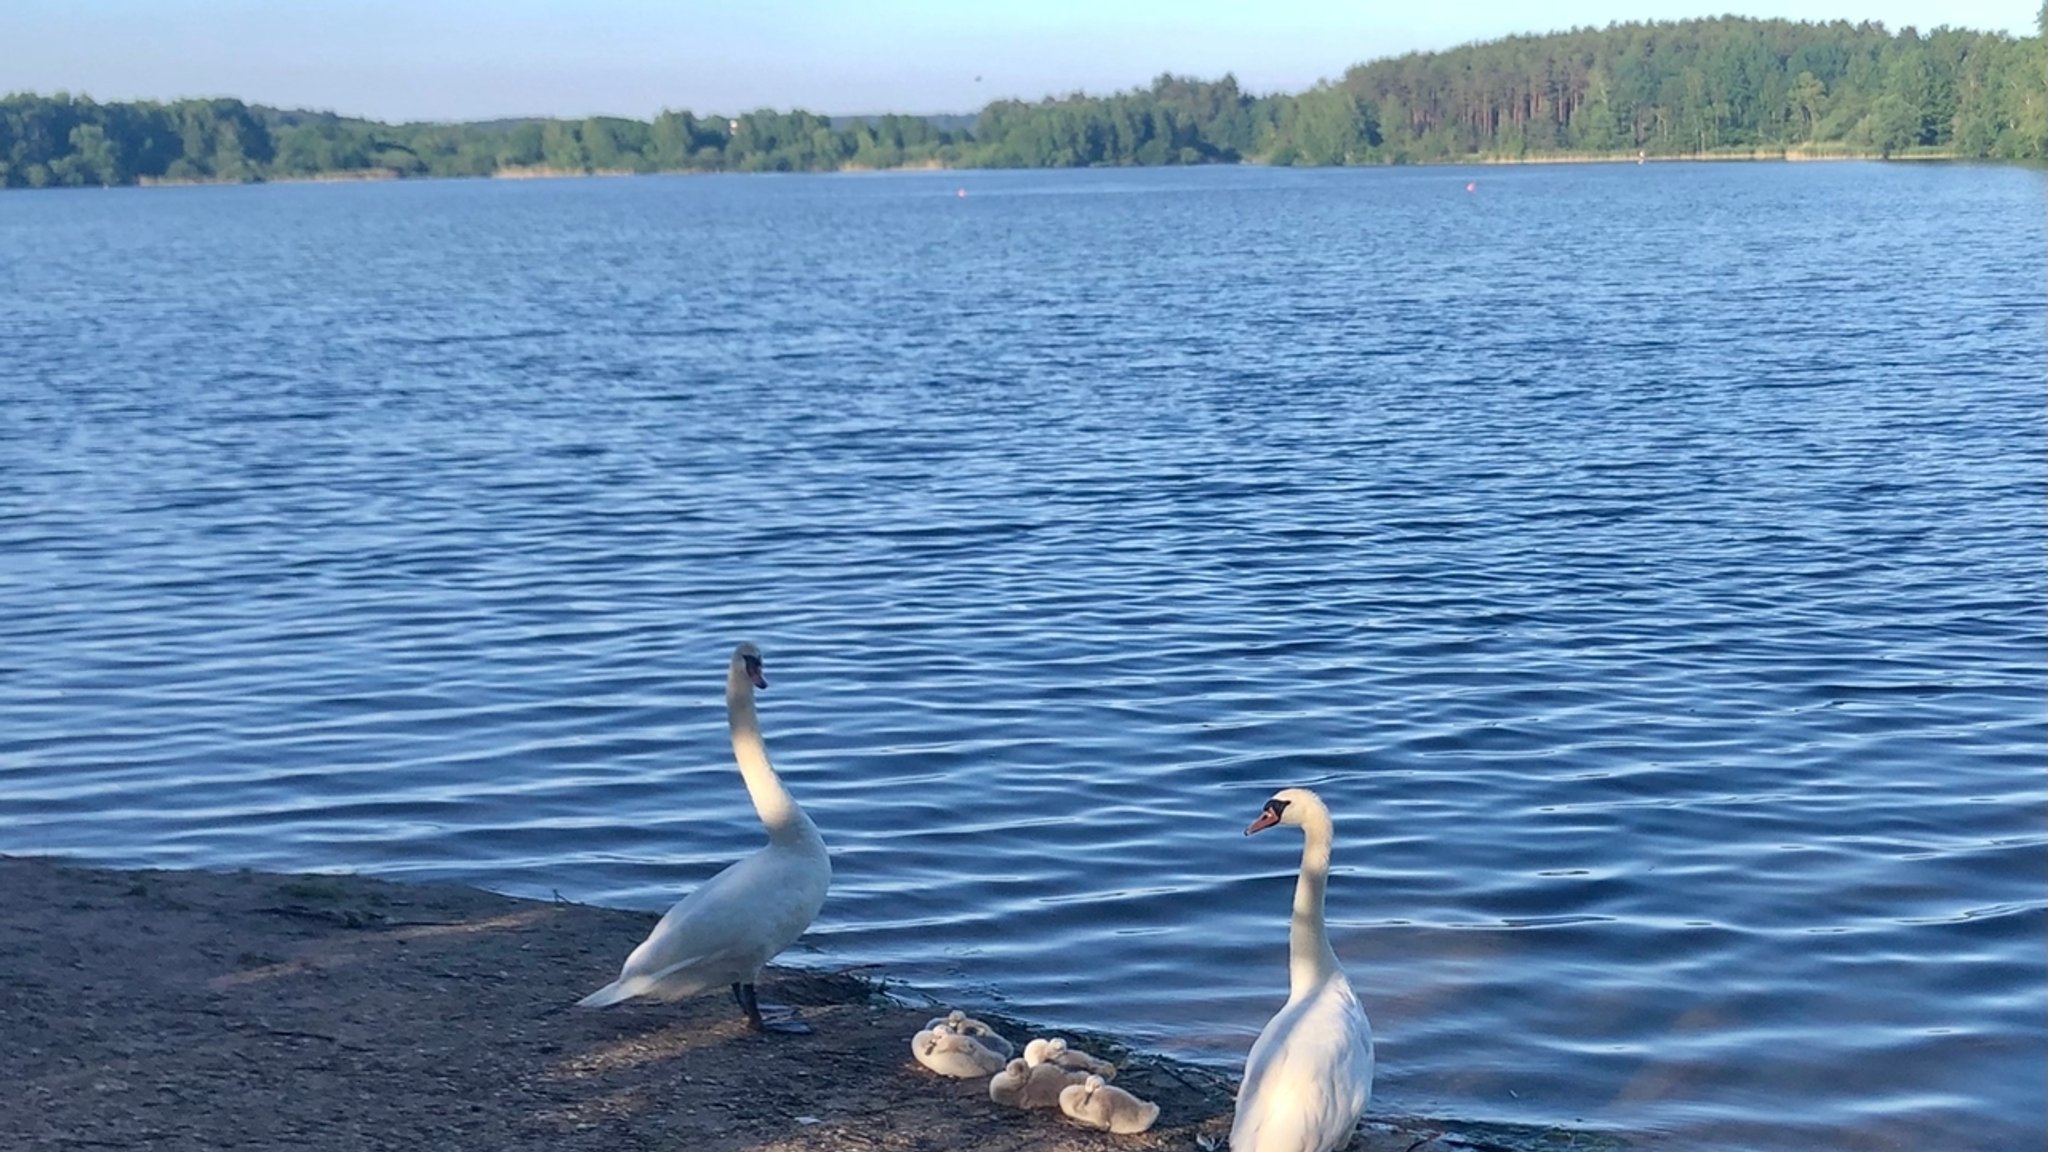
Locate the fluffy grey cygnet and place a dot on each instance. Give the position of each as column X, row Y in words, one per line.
column 953, row 1054
column 965, row 1025
column 1057, row 1051
column 1096, row 1104
column 1024, row 1085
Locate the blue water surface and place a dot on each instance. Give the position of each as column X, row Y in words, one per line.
column 1646, row 564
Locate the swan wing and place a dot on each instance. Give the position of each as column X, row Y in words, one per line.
column 731, row 925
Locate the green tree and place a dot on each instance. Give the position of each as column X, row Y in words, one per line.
column 1806, row 100
column 561, row 147
column 93, row 159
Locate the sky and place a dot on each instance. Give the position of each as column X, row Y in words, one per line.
column 479, row 59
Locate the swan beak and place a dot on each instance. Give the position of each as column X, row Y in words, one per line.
column 1266, row 819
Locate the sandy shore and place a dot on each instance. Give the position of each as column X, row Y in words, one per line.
column 204, row 1010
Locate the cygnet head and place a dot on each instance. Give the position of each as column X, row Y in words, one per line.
column 1295, row 806
column 1036, row 1051
column 746, row 661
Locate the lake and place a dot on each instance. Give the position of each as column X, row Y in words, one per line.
column 1644, row 562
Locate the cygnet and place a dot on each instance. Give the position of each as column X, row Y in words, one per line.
column 1057, row 1052
column 952, row 1054
column 965, row 1025
column 1095, row 1103
column 1007, row 1087
column 1024, row 1085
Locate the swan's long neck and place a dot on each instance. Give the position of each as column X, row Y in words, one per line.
column 772, row 802
column 1310, row 959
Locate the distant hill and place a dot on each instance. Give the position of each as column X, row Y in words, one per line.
column 1722, row 87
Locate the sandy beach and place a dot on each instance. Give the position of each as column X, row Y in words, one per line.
column 177, row 1010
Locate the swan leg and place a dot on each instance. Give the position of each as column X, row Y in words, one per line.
column 784, row 1021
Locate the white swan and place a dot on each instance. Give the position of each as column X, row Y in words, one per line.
column 1095, row 1103
column 1309, row 1075
column 738, row 920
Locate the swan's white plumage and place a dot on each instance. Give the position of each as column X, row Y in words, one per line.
column 1309, row 1076
column 735, row 922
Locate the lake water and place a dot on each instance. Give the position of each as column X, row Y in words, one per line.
column 1646, row 563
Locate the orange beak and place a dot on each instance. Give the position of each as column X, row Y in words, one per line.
column 1266, row 819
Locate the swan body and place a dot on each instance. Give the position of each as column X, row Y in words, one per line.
column 1097, row 1104
column 961, row 1022
column 954, row 1054
column 735, row 922
column 1309, row 1076
column 1022, row 1084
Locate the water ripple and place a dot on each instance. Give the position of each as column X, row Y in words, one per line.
column 1644, row 562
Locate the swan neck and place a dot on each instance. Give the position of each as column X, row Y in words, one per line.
column 772, row 802
column 1310, row 959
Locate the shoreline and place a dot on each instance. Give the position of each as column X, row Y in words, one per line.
column 1479, row 160
column 193, row 1009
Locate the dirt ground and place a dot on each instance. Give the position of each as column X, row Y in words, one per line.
column 202, row 1010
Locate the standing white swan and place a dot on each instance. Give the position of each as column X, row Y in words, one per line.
column 738, row 920
column 1309, row 1075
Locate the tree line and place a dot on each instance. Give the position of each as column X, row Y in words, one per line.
column 1685, row 88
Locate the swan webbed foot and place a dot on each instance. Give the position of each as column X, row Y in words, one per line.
column 779, row 1018
column 789, row 1025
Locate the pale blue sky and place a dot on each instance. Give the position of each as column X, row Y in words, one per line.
column 469, row 59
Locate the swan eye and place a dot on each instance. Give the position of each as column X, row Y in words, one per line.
column 1275, row 808
column 754, row 671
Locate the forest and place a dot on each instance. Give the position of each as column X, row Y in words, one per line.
column 1693, row 88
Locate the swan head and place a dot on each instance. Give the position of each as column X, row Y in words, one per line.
column 1288, row 806
column 746, row 662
